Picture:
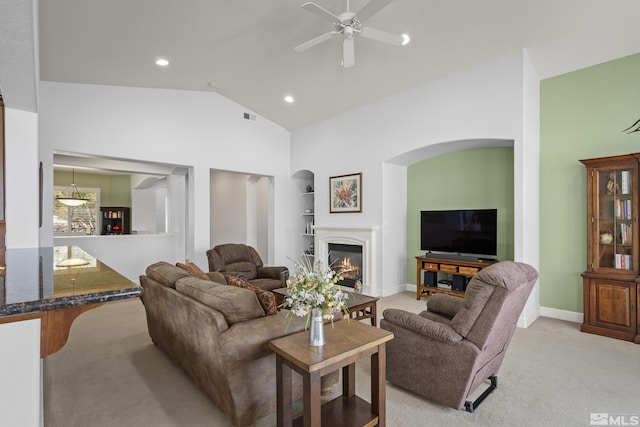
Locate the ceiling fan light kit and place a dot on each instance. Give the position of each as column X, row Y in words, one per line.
column 350, row 24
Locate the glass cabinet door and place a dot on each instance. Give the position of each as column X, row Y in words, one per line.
column 614, row 219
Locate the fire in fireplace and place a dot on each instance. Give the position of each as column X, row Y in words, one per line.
column 341, row 257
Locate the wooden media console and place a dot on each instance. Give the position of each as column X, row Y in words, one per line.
column 460, row 270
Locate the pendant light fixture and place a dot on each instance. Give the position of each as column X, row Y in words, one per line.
column 76, row 198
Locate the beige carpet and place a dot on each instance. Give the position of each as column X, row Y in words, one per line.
column 110, row 374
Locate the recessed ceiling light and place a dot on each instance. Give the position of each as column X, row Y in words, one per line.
column 405, row 39
column 162, row 62
column 288, row 99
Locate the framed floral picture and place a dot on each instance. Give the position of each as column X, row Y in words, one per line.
column 345, row 193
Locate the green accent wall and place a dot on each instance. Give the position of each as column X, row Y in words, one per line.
column 115, row 190
column 582, row 115
column 480, row 178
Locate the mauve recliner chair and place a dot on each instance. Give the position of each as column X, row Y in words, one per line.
column 446, row 352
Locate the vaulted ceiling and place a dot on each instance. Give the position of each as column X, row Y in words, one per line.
column 243, row 49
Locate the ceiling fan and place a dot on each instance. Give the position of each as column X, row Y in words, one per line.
column 349, row 24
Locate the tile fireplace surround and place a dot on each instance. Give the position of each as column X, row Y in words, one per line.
column 361, row 236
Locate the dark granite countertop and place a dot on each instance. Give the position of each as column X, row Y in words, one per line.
column 41, row 279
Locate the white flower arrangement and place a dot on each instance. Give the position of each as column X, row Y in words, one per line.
column 313, row 285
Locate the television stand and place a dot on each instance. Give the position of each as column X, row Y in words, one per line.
column 461, row 270
column 455, row 257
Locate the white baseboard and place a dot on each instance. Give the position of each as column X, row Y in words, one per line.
column 526, row 319
column 569, row 316
column 397, row 289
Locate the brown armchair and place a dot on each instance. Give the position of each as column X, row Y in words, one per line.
column 237, row 259
column 446, row 352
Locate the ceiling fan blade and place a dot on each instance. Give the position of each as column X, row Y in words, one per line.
column 321, row 12
column 382, row 36
column 370, row 9
column 348, row 53
column 306, row 45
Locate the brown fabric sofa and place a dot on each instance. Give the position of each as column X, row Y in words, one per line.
column 237, row 259
column 218, row 333
column 446, row 352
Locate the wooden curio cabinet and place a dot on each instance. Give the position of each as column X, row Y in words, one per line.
column 610, row 282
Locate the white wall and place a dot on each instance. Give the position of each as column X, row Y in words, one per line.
column 130, row 254
column 527, row 192
column 199, row 130
column 228, row 207
column 394, row 214
column 483, row 103
column 20, row 341
column 148, row 204
column 143, row 211
column 21, row 174
column 241, row 210
column 20, row 368
column 259, row 189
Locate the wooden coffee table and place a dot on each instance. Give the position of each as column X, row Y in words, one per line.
column 360, row 306
column 346, row 342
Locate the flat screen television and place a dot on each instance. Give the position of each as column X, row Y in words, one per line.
column 460, row 233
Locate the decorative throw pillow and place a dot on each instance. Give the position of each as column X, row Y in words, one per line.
column 266, row 298
column 194, row 270
column 216, row 276
column 165, row 273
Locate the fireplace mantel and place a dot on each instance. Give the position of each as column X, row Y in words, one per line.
column 362, row 236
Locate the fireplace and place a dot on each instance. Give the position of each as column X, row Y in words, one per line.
column 350, row 240
column 346, row 257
